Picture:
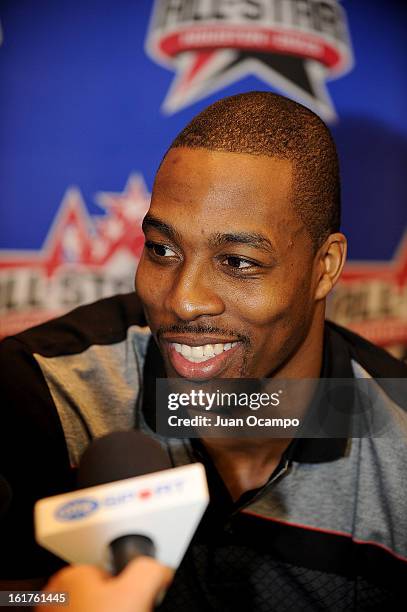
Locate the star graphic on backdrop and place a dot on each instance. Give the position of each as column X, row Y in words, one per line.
column 200, row 73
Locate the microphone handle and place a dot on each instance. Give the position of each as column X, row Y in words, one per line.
column 128, row 547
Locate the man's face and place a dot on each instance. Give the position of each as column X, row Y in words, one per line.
column 227, row 275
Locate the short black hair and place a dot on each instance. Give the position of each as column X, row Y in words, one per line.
column 265, row 123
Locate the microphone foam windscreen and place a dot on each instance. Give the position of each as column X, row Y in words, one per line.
column 120, row 455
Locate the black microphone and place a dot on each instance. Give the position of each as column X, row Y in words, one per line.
column 117, row 456
column 131, row 502
column 120, row 455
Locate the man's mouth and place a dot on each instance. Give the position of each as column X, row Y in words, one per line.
column 199, row 354
column 200, row 361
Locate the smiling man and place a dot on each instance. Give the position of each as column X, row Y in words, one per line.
column 242, row 248
column 238, row 292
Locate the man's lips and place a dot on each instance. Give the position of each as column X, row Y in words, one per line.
column 194, row 340
column 219, row 353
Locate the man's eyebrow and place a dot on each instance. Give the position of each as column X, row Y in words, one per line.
column 255, row 240
column 163, row 227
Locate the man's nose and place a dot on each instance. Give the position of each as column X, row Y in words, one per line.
column 193, row 294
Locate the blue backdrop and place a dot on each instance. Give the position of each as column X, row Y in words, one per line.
column 81, row 105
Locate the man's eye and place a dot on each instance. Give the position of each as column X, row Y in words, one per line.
column 160, row 250
column 238, row 262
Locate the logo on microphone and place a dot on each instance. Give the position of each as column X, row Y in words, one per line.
column 82, row 507
column 292, row 46
column 76, row 509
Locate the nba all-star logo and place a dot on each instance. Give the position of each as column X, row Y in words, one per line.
column 293, row 46
column 84, row 257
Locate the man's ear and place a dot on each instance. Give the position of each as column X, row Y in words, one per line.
column 330, row 260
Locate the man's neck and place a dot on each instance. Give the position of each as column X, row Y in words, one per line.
column 244, row 465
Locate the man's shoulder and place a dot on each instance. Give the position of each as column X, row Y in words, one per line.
column 375, row 360
column 103, row 322
column 78, row 375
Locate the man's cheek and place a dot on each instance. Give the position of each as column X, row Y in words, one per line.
column 140, row 286
column 262, row 313
column 148, row 286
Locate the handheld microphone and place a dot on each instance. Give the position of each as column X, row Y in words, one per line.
column 133, row 503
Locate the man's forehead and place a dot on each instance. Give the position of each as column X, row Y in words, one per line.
column 187, row 172
column 201, row 192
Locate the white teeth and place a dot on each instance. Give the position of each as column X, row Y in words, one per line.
column 186, row 350
column 218, row 349
column 198, row 354
column 197, row 351
column 208, row 350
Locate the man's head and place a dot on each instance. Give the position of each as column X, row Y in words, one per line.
column 242, row 242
